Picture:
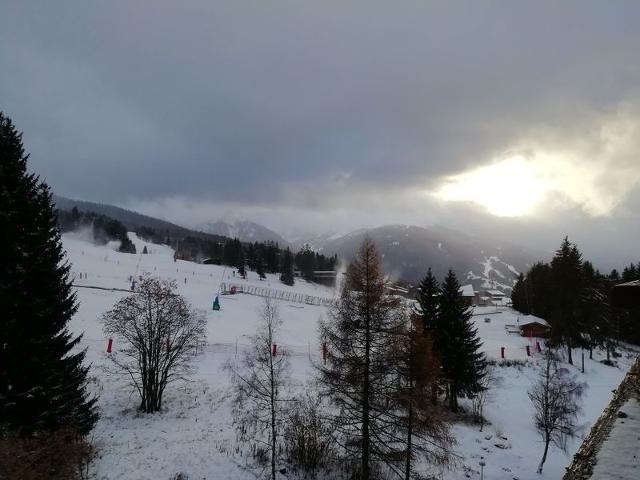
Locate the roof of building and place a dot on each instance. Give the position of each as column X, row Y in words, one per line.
column 530, row 319
column 610, row 449
column 626, row 295
column 495, row 293
column 467, row 291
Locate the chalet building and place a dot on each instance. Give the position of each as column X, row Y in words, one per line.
column 482, row 300
column 323, row 277
column 531, row 326
column 496, row 296
column 469, row 295
column 487, row 298
column 212, row 261
column 611, row 448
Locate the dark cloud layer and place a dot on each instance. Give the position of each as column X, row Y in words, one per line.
column 317, row 106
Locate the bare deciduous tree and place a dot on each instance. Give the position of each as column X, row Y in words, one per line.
column 556, row 398
column 158, row 331
column 259, row 380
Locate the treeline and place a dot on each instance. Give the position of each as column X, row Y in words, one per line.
column 104, row 229
column 574, row 298
column 268, row 257
column 308, row 261
column 260, row 257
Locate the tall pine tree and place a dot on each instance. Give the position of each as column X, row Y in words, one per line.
column 427, row 297
column 566, row 319
column 286, row 269
column 457, row 343
column 519, row 296
column 42, row 376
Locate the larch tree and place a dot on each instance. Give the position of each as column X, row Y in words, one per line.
column 358, row 376
column 422, row 431
column 43, row 379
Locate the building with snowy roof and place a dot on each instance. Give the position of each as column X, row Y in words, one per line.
column 468, row 293
column 612, row 450
column 532, row 326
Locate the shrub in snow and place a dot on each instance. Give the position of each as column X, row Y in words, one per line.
column 63, row 454
column 308, row 439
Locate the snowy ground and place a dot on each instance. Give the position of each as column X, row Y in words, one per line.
column 194, row 434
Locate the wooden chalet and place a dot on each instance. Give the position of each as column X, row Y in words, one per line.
column 611, row 448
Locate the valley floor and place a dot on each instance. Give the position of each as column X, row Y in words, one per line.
column 194, row 434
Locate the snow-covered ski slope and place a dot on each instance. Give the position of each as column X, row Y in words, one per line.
column 194, row 434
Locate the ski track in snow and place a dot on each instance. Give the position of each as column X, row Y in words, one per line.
column 194, row 434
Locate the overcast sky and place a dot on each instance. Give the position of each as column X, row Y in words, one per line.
column 515, row 119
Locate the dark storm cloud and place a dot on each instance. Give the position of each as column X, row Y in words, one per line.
column 296, row 104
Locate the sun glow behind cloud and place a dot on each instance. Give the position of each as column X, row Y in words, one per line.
column 512, row 187
column 594, row 171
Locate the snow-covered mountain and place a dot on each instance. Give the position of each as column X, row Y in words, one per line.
column 408, row 250
column 244, row 230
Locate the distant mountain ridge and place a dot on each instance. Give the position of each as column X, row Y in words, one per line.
column 132, row 220
column 244, row 230
column 408, row 250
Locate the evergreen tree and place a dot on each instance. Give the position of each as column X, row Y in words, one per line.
column 457, row 343
column 566, row 316
column 252, row 256
column 306, row 262
column 241, row 262
column 540, row 290
column 42, row 376
column 271, row 257
column 519, row 297
column 233, row 255
column 286, row 270
column 260, row 268
column 144, row 250
column 614, row 276
column 630, row 273
column 427, row 298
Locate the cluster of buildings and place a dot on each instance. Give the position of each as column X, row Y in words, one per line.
column 484, row 298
